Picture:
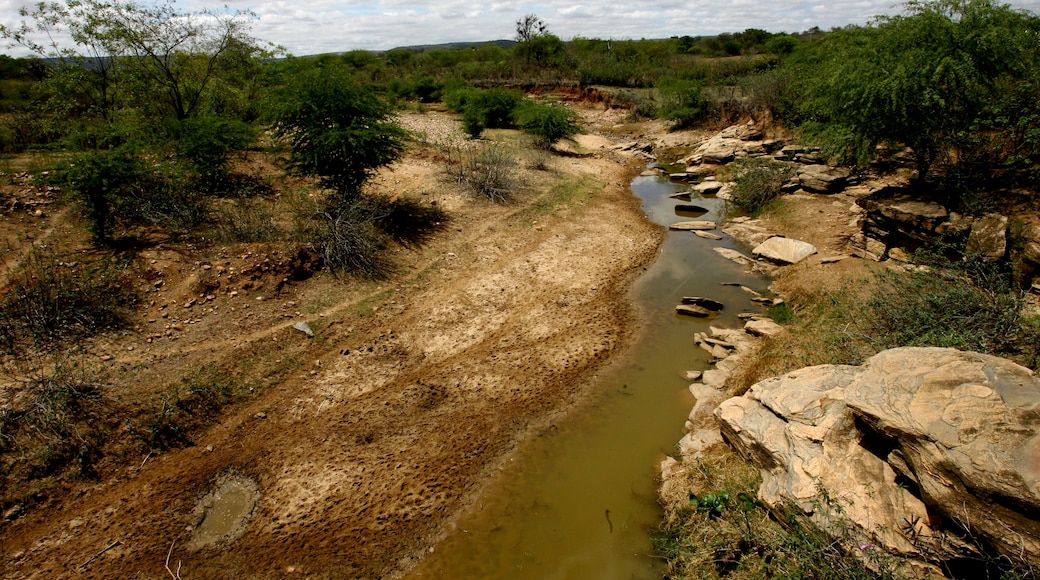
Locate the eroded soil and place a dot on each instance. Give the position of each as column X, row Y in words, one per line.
column 364, row 441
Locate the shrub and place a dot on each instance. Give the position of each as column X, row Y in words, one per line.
column 936, row 309
column 487, row 170
column 488, row 109
column 57, row 422
column 757, row 181
column 350, row 242
column 681, row 101
column 49, row 298
column 207, row 142
column 547, row 123
column 341, row 132
column 100, row 178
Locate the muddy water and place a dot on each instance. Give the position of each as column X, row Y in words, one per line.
column 580, row 501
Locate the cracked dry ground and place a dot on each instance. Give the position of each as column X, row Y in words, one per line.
column 392, row 419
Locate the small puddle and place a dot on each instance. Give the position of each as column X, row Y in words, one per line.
column 224, row 513
column 581, row 501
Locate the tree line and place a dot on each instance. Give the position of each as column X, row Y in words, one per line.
column 153, row 101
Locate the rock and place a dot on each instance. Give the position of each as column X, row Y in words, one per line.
column 693, row 375
column 706, row 235
column 899, row 255
column 892, row 209
column 834, row 259
column 750, row 232
column 693, row 225
column 784, row 250
column 690, row 210
column 763, row 327
column 988, row 236
column 695, row 442
column 955, row 225
column 708, row 303
column 823, row 178
column 707, row 187
column 734, row 256
column 694, row 310
column 867, row 248
column 304, row 328
column 913, row 438
column 684, row 196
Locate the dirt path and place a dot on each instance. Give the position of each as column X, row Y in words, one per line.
column 395, row 416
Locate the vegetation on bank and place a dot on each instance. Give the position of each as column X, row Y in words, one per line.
column 144, row 134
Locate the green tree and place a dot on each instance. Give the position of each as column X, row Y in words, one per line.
column 548, row 123
column 923, row 79
column 339, row 130
column 681, row 101
column 155, row 53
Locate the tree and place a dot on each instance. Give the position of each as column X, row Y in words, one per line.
column 681, row 101
column 924, row 79
column 339, row 130
column 529, row 27
column 155, row 53
column 535, row 41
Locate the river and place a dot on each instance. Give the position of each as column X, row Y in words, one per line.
column 580, row 501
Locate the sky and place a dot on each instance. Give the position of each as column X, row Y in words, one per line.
column 320, row 26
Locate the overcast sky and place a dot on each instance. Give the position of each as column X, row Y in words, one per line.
column 318, row 26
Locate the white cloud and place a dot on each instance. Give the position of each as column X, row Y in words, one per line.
column 338, row 25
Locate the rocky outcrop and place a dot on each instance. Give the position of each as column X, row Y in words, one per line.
column 730, row 143
column 916, row 445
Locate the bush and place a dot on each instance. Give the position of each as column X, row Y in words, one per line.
column 488, row 171
column 100, row 179
column 936, row 309
column 50, row 298
column 56, row 423
column 681, row 101
column 757, row 182
column 207, row 142
column 547, row 123
column 485, row 109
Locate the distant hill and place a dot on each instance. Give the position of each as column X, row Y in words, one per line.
column 456, row 45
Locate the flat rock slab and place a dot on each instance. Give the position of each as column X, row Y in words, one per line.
column 703, row 302
column 706, row 235
column 734, row 256
column 763, row 327
column 694, row 310
column 784, row 250
column 694, row 225
column 708, row 187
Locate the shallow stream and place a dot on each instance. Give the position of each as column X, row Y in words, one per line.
column 580, row 502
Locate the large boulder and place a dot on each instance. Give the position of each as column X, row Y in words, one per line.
column 823, row 178
column 784, row 251
column 988, row 237
column 913, row 440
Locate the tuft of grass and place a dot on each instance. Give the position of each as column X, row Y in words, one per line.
column 488, row 170
column 56, row 423
column 187, row 408
column 51, row 298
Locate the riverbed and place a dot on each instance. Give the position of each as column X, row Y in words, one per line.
column 580, row 501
